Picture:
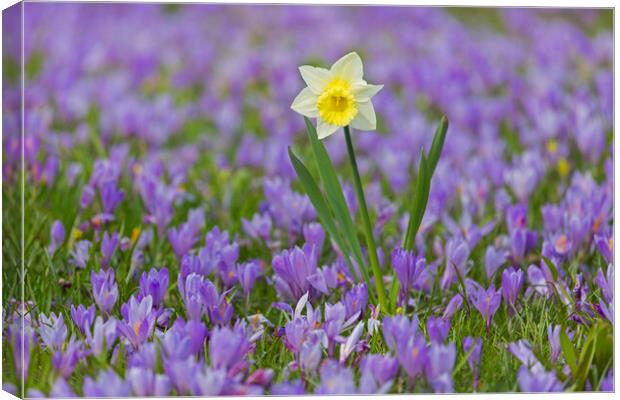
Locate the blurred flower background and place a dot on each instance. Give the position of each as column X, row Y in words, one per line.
column 169, row 250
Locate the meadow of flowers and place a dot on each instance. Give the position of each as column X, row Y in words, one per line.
column 185, row 232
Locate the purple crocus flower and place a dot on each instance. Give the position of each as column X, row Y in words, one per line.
column 83, row 317
column 182, row 239
column 182, row 374
column 315, row 236
column 605, row 247
column 228, row 349
column 110, row 196
column 473, row 359
column 439, row 367
column 88, row 193
column 536, row 379
column 412, row 353
column 81, row 254
column 108, row 247
column 293, row 388
column 138, row 321
column 455, row 303
column 351, row 343
column 108, row 384
column 310, row 355
column 57, row 236
column 512, row 282
column 438, row 329
column 105, row 290
column 408, row 268
column 553, row 334
column 487, row 302
column 64, row 361
column 259, row 227
column 356, row 299
column 52, row 330
column 398, row 328
column 292, row 269
column 493, row 259
column 61, row 389
column 209, row 382
column 377, row 373
column 457, row 254
column 154, row 284
column 103, row 336
column 22, row 338
column 522, row 349
column 144, row 382
column 335, row 379
column 247, row 273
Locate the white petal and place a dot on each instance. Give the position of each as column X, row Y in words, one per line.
column 323, row 129
column 365, row 119
column 316, row 78
column 305, row 103
column 363, row 93
column 349, row 67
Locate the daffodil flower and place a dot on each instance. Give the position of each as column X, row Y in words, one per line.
column 337, row 97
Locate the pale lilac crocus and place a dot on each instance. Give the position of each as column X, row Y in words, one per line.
column 138, row 321
column 473, row 347
column 57, row 236
column 487, row 301
column 107, row 384
column 377, row 373
column 512, row 282
column 536, row 379
column 439, row 367
column 108, row 247
column 144, row 382
column 437, row 329
column 83, row 317
column 52, row 330
column 105, row 290
column 154, row 284
column 81, row 254
column 408, row 268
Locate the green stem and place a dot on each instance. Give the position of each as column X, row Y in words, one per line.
column 370, row 242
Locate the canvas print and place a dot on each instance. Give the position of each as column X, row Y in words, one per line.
column 213, row 199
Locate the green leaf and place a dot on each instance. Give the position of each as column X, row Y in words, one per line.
column 335, row 195
column 551, row 266
column 586, row 357
column 437, row 145
column 321, row 206
column 394, row 292
column 568, row 351
column 420, row 200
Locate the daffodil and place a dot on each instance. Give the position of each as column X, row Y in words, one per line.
column 337, row 97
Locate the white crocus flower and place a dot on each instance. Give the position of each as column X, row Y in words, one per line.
column 338, row 96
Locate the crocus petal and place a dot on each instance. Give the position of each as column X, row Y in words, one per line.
column 364, row 92
column 324, row 129
column 316, row 78
column 349, row 67
column 366, row 119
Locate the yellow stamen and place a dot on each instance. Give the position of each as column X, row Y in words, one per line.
column 136, row 327
column 135, row 233
column 563, row 167
column 552, row 146
column 336, row 104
